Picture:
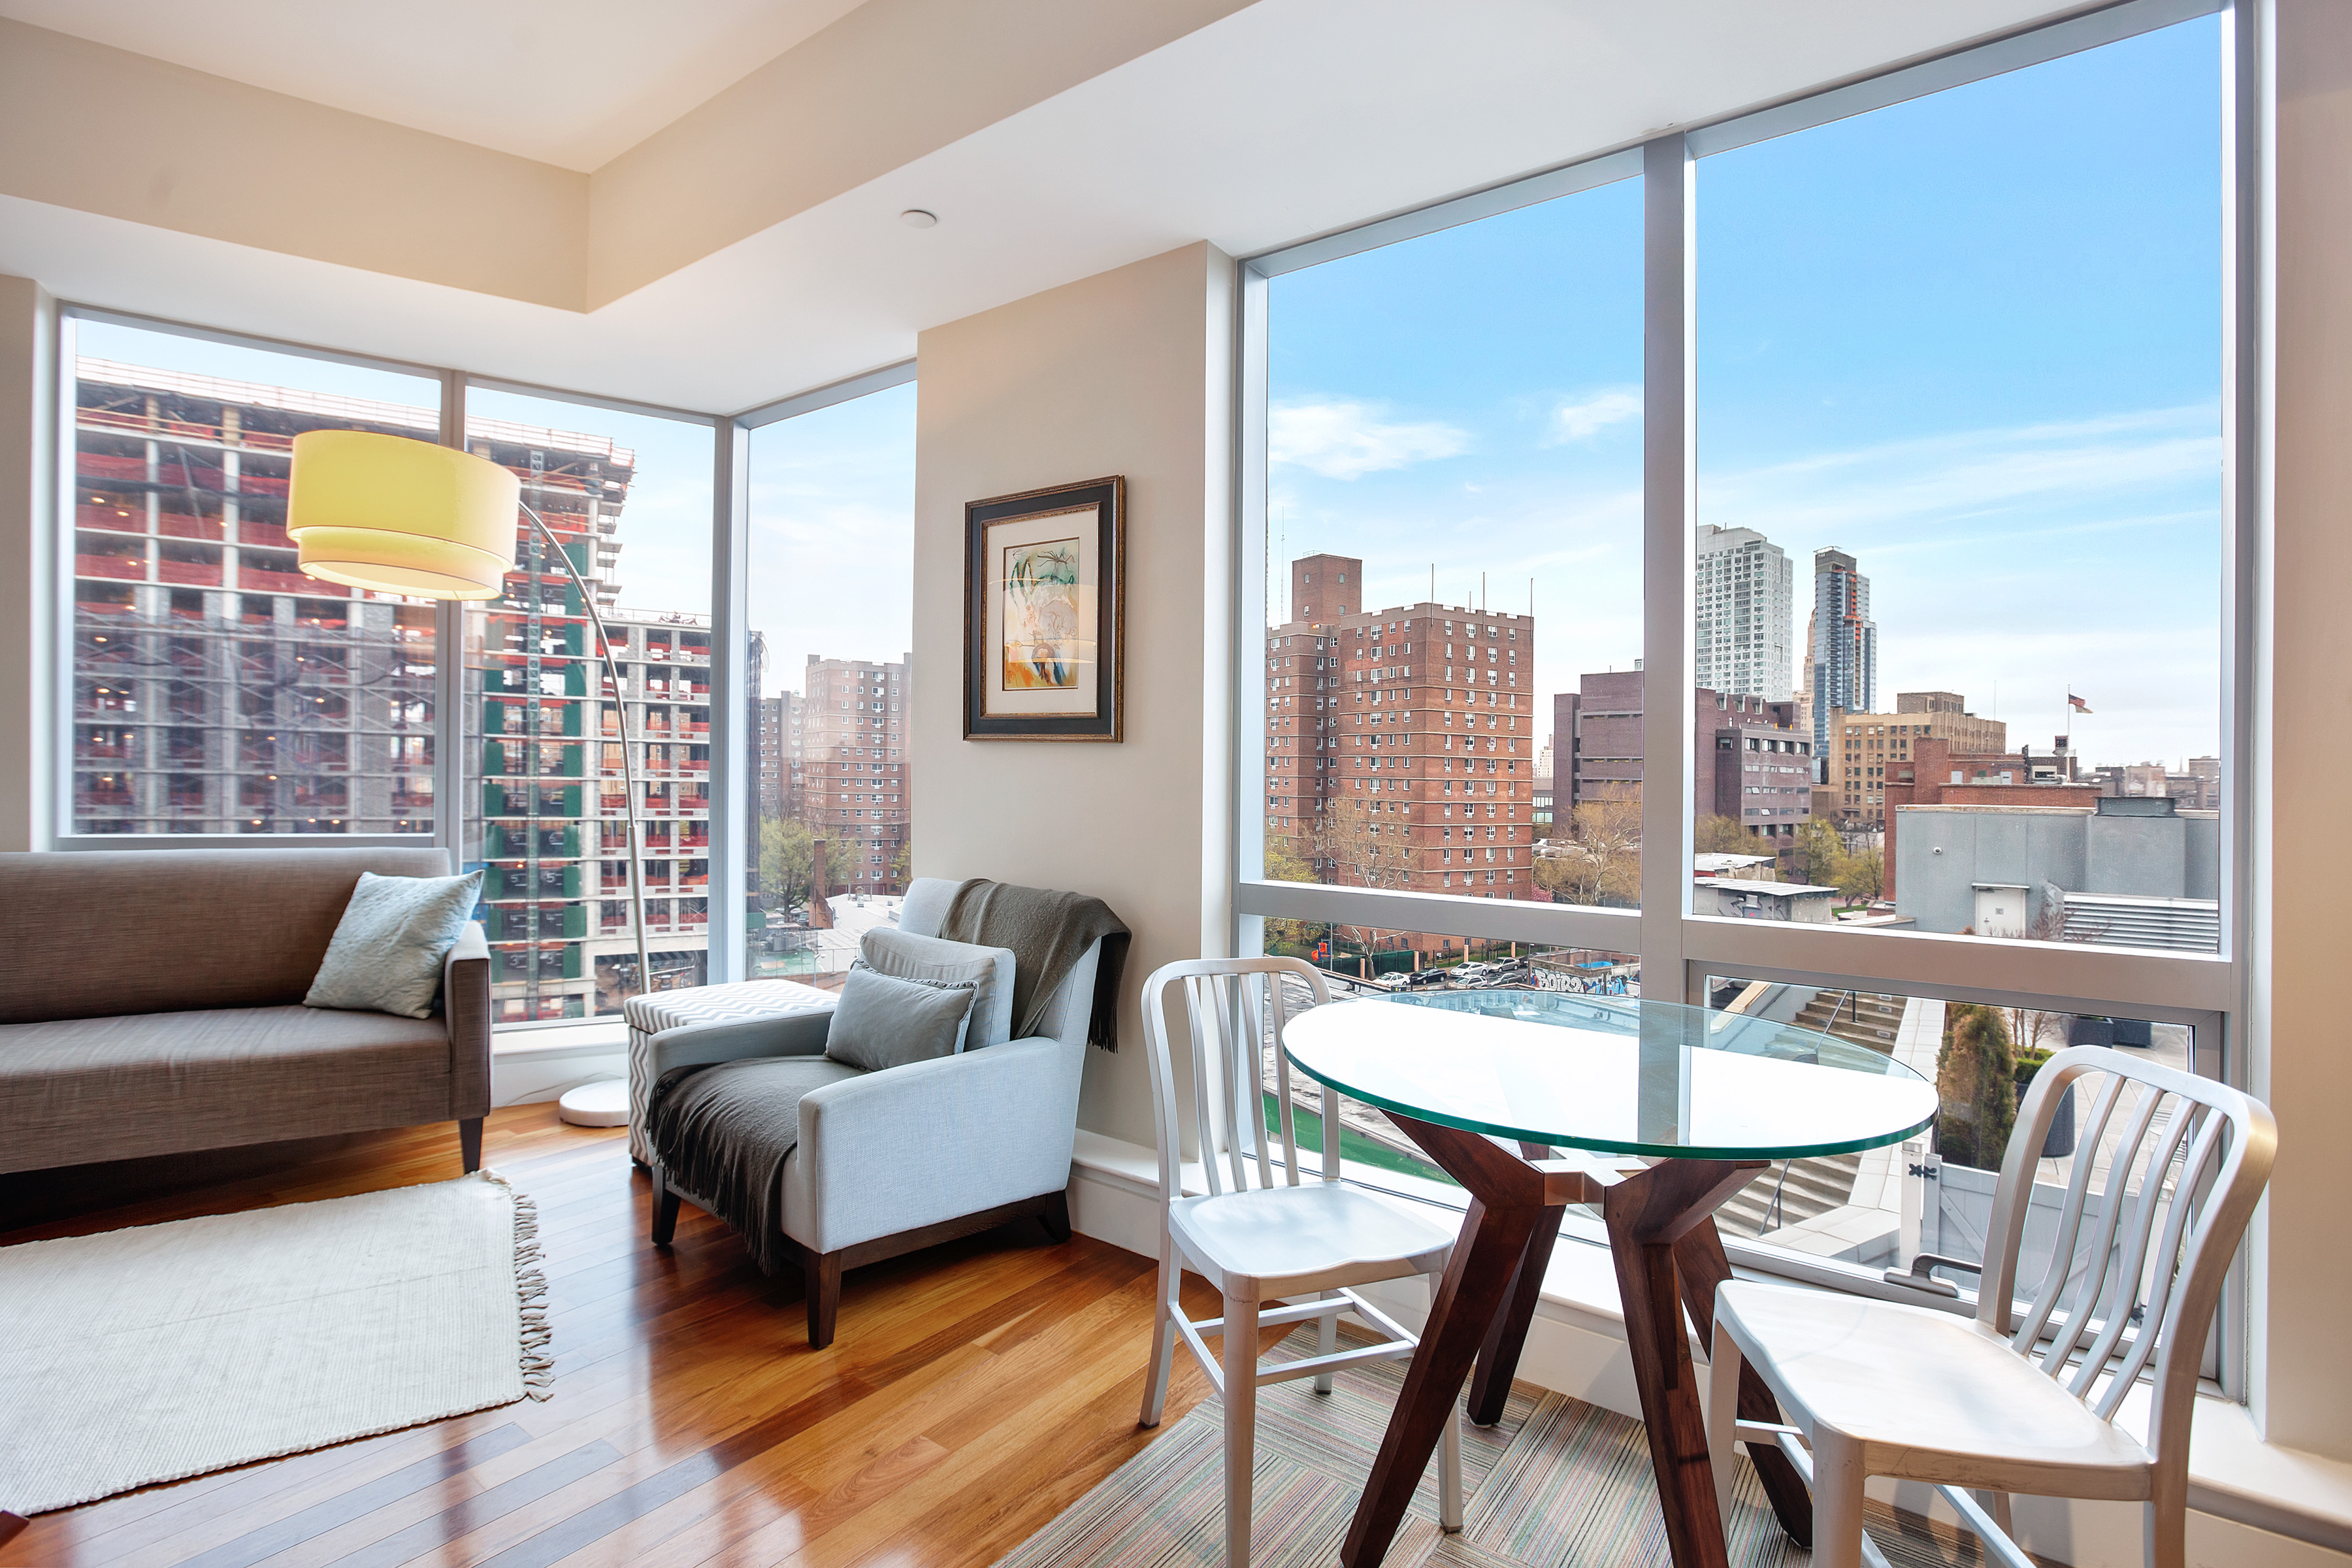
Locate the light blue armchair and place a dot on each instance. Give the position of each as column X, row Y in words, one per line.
column 910, row 1157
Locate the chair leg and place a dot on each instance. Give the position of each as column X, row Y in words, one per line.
column 1722, row 1369
column 665, row 1224
column 469, row 1143
column 1449, row 1473
column 821, row 1278
column 1056, row 1217
column 2166, row 1521
column 1837, row 1502
column 1326, row 1340
column 1241, row 1425
column 1163, row 1334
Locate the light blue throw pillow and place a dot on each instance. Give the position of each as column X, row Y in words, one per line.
column 388, row 947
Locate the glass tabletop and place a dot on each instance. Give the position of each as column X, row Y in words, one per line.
column 1612, row 1074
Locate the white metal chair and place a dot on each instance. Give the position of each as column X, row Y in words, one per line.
column 2023, row 1400
column 1306, row 1241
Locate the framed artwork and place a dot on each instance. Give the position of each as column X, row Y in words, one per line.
column 1045, row 614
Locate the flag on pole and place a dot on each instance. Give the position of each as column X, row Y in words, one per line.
column 2076, row 703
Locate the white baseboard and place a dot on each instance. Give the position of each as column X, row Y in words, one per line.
column 527, row 1074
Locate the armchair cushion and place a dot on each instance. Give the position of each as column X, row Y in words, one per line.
column 885, row 1022
column 938, row 962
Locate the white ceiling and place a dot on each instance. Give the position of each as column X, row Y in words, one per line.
column 1286, row 120
column 568, row 82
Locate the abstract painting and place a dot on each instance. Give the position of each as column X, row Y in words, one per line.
column 1043, row 612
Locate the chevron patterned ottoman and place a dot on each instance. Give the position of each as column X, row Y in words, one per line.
column 733, row 1004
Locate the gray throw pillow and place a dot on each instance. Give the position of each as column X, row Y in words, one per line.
column 883, row 1020
column 943, row 963
column 388, row 947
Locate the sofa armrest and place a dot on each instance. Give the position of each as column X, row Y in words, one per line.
column 915, row 1145
column 466, row 1011
column 728, row 1041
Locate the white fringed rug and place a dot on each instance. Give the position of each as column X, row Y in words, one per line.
column 168, row 1350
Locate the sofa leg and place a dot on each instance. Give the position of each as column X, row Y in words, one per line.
column 1056, row 1217
column 469, row 1143
column 821, row 1273
column 665, row 1208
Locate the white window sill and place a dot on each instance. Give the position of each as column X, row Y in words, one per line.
column 2233, row 1474
column 589, row 1036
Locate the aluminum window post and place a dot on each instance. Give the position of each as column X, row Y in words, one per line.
column 734, row 707
column 449, row 671
column 1668, row 276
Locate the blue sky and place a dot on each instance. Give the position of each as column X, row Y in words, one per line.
column 832, row 557
column 1974, row 339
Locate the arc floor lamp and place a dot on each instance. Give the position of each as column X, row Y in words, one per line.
column 403, row 516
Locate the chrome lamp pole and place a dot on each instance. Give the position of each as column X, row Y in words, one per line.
column 628, row 770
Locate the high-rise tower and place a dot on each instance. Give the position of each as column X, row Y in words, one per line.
column 1844, row 652
column 1743, row 610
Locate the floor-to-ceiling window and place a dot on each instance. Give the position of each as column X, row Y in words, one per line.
column 626, row 498
column 215, row 689
column 1935, row 750
column 829, row 574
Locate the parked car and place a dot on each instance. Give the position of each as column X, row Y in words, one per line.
column 1425, row 977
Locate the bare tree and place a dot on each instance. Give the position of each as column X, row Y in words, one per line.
column 1600, row 862
column 1365, row 848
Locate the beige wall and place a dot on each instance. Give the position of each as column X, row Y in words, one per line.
column 109, row 132
column 28, row 510
column 1124, row 372
column 2301, row 1028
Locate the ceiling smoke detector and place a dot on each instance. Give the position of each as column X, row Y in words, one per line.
column 915, row 217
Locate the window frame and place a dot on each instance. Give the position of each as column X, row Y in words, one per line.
column 731, row 743
column 1680, row 948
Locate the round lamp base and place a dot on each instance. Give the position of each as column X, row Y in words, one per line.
column 604, row 1103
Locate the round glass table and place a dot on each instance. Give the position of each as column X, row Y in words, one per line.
column 1710, row 1098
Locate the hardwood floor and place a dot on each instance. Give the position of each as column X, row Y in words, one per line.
column 975, row 1390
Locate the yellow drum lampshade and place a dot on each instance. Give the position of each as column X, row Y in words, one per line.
column 398, row 516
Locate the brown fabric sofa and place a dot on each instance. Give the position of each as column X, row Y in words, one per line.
column 150, row 1002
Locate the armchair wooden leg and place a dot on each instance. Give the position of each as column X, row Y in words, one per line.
column 469, row 1143
column 1055, row 1216
column 821, row 1274
column 665, row 1208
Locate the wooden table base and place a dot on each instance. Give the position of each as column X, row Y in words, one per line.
column 1662, row 1237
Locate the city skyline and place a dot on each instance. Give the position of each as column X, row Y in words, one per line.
column 1992, row 378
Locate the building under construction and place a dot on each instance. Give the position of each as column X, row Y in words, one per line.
column 218, row 691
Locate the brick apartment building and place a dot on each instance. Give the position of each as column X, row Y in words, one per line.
column 853, row 770
column 1751, row 759
column 218, row 690
column 1421, row 718
column 1867, row 750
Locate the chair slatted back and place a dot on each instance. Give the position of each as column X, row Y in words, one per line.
column 2167, row 1171
column 1234, row 1010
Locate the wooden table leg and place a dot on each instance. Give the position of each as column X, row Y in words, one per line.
column 1507, row 1202
column 1647, row 1215
column 1498, row 1356
column 1700, row 1260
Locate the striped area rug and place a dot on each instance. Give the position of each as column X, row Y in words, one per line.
column 1558, row 1483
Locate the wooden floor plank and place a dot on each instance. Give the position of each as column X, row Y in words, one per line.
column 690, row 1423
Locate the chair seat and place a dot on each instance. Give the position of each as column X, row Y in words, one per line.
column 1273, row 1241
column 1921, row 1389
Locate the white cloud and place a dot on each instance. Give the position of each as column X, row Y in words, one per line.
column 1346, row 441
column 1589, row 416
column 1936, row 483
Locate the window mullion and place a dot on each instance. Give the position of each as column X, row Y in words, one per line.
column 449, row 671
column 1667, row 495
